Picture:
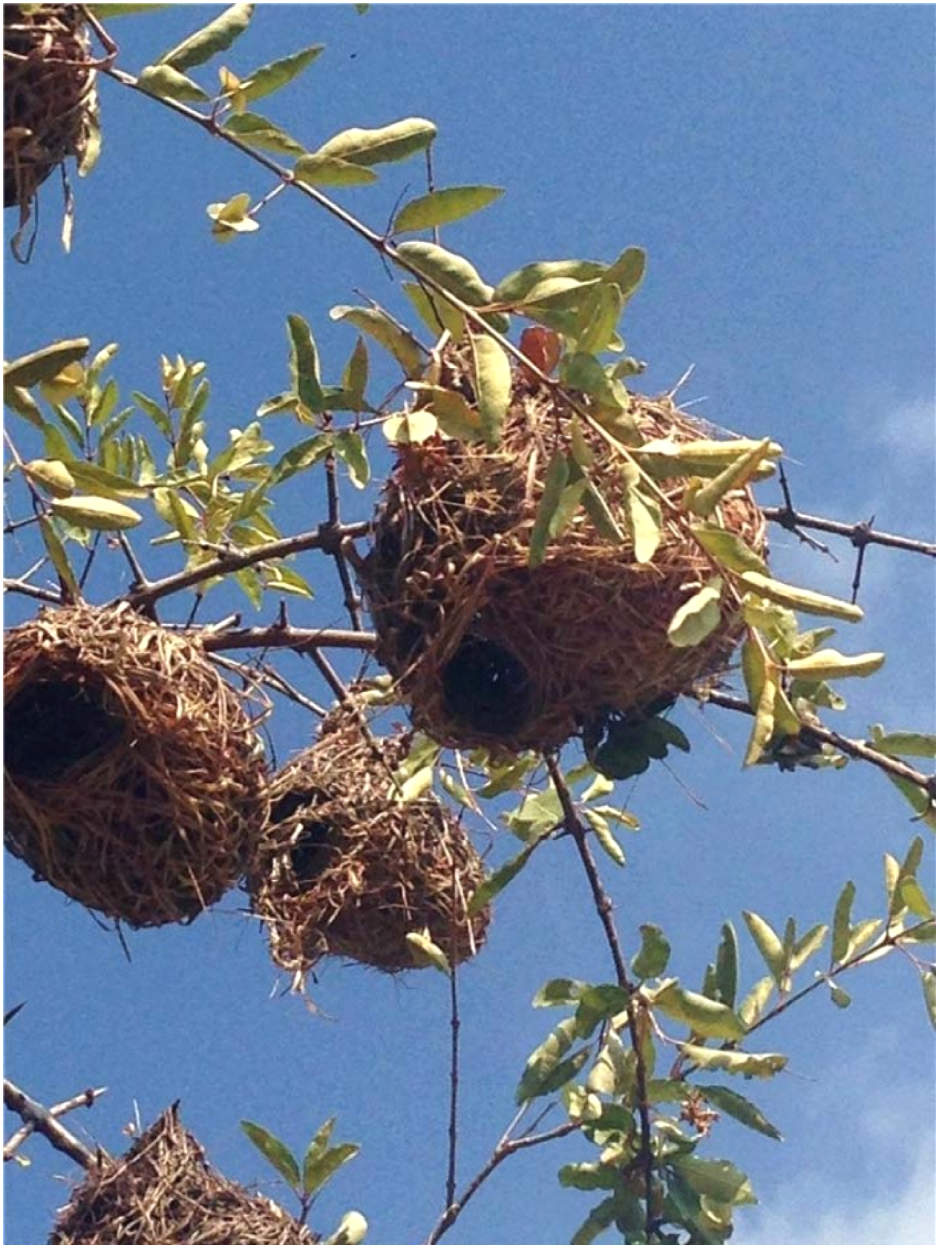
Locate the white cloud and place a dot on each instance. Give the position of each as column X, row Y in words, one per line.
column 908, row 429
column 807, row 1211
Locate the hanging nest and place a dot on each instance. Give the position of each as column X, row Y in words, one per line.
column 491, row 652
column 134, row 780
column 49, row 101
column 344, row 869
column 163, row 1191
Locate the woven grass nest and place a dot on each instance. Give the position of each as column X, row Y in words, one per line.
column 163, row 1191
column 490, row 652
column 134, row 780
column 346, row 870
column 49, row 99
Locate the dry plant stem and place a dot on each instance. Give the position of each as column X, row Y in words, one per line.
column 604, row 907
column 83, row 1100
column 325, row 537
column 277, row 637
column 505, row 1148
column 826, row 736
column 41, row 1119
column 860, row 534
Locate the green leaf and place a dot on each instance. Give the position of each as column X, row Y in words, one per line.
column 585, row 372
column 203, row 44
column 426, row 952
column 808, row 945
column 597, row 1221
column 257, row 131
column 546, row 1070
column 700, row 1014
column 764, row 718
column 436, row 313
column 355, row 374
column 276, row 1152
column 801, row 599
column 50, row 475
column 751, row 1010
column 614, row 1071
column 664, row 458
column 730, row 551
column 841, row 924
column 394, row 142
column 45, row 364
column 559, row 992
column 168, row 83
column 57, row 554
column 905, row 744
column 318, row 1172
column 305, row 365
column 740, row 472
column 100, row 514
column 652, row 958
column 493, row 383
column 597, row 1003
column 451, row 272
column 515, row 288
column 379, row 325
column 750, row 1065
column 410, row 428
column 107, row 11
column 698, row 617
column 299, row 457
column 104, row 483
column 739, row 1108
column 605, row 838
column 770, row 946
column 627, row 271
column 914, row 898
column 353, row 1227
column 556, row 478
column 500, row 879
column 321, row 170
column 645, row 515
column 725, row 967
column 455, row 416
column 829, row 665
column 929, row 994
column 269, row 78
column 351, row 450
column 719, row 1180
column 538, row 814
column 588, row 1176
column 442, row 207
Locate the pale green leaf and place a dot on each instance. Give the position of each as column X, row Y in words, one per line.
column 168, row 83
column 442, row 207
column 733, row 1062
column 652, row 958
column 91, row 512
column 394, row 142
column 426, row 952
column 213, row 38
column 46, row 363
column 276, row 1152
column 739, row 1108
column 799, row 599
column 322, row 170
column 379, row 325
column 493, row 378
column 698, row 617
column 268, row 78
column 556, row 478
column 700, row 1014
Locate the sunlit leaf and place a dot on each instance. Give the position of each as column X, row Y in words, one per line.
column 91, row 512
column 547, row 1069
column 276, row 1152
column 425, row 952
column 168, row 83
column 218, row 35
column 652, row 958
column 700, row 1014
column 556, row 478
column 45, row 364
column 830, row 664
column 559, row 992
column 841, row 924
column 394, row 142
column 516, row 287
column 770, row 946
column 728, row 549
column 442, row 207
column 726, row 966
column 451, row 272
column 493, row 378
column 318, row 1172
column 801, row 599
column 929, row 994
column 351, row 450
column 698, row 617
column 738, row 1107
column 750, row 1065
column 271, row 77
column 257, row 131
column 353, row 1227
column 380, row 326
column 51, row 475
column 319, row 169
column 57, row 554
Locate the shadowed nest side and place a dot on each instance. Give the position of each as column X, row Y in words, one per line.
column 489, row 651
column 134, row 780
column 163, row 1191
column 345, row 869
column 49, row 99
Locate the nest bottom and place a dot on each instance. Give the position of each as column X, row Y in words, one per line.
column 163, row 1191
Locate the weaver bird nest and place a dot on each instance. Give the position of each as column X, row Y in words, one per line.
column 134, row 780
column 49, row 100
column 347, row 869
column 490, row 651
column 163, row 1191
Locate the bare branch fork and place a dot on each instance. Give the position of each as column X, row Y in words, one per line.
column 37, row 1118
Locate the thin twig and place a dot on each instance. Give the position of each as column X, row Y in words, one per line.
column 83, row 1100
column 859, row 534
column 342, row 568
column 276, row 637
column 818, row 735
column 42, row 1120
column 32, row 591
column 453, row 1130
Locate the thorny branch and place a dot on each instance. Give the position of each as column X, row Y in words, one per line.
column 286, row 637
column 38, row 1118
column 604, row 907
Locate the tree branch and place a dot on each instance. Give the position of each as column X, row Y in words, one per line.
column 860, row 534
column 285, row 637
column 37, row 1118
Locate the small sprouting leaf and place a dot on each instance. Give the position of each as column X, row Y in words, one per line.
column 929, row 994
column 839, row 997
column 276, row 1152
column 56, row 552
column 750, row 1065
column 442, row 207
column 730, row 551
column 801, row 599
column 351, row 450
column 652, row 958
column 271, row 77
column 318, row 1172
column 426, row 952
column 379, row 325
column 232, row 217
column 697, row 618
column 726, row 967
column 353, row 1227
column 397, row 141
column 700, row 1014
column 605, row 838
column 770, row 946
column 830, row 664
column 213, row 38
column 168, row 83
column 320, row 170
column 45, row 364
column 91, row 512
column 738, row 1107
column 547, row 1069
column 493, row 378
column 556, row 478
column 841, row 924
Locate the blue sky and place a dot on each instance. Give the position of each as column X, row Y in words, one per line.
column 777, row 163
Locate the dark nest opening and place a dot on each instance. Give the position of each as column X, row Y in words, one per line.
column 163, row 1191
column 346, row 869
column 134, row 780
column 49, row 101
column 491, row 652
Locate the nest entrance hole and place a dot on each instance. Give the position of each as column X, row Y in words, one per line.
column 57, row 725
column 487, row 686
column 309, row 854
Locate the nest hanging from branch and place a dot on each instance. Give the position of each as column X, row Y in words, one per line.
column 49, row 99
column 345, row 869
column 134, row 780
column 163, row 1191
column 492, row 652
